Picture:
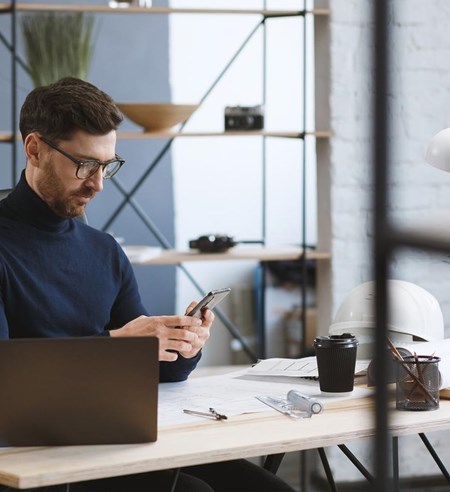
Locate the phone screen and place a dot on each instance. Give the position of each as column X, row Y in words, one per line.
column 209, row 301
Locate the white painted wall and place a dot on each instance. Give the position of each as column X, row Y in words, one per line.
column 218, row 181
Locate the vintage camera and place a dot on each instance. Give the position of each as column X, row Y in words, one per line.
column 212, row 243
column 244, row 118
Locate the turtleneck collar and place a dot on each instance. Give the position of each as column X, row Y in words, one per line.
column 27, row 206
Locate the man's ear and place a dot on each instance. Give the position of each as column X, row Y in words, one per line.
column 33, row 149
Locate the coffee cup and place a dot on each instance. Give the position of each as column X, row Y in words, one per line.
column 336, row 359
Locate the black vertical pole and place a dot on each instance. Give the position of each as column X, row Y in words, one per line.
column 261, row 330
column 304, row 276
column 382, row 249
column 304, row 190
column 13, row 93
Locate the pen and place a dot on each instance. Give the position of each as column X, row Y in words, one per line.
column 212, row 414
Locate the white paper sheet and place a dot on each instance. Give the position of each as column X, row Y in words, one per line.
column 231, row 394
column 305, row 367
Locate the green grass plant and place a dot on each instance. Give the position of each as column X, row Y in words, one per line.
column 57, row 45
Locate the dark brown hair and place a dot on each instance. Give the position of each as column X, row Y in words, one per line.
column 58, row 110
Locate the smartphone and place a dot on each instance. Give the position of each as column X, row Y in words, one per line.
column 209, row 301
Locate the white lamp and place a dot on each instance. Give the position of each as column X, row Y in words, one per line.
column 438, row 151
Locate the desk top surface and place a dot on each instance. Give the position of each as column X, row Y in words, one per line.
column 209, row 441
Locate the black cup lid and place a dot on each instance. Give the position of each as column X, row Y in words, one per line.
column 336, row 340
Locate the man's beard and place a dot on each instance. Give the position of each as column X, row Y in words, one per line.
column 52, row 189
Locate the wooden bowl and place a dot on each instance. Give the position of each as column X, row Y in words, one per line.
column 155, row 117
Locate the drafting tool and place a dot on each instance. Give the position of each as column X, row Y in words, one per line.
column 283, row 406
column 212, row 414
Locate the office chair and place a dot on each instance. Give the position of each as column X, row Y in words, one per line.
column 4, row 193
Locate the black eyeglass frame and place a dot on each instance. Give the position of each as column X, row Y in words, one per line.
column 82, row 163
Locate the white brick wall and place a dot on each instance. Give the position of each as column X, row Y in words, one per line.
column 420, row 97
column 350, row 173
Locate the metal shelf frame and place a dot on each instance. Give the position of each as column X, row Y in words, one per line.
column 128, row 196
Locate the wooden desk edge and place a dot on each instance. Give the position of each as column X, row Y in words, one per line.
column 213, row 442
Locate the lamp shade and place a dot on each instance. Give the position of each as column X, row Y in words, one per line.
column 438, row 151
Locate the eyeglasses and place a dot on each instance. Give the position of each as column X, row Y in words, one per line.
column 87, row 168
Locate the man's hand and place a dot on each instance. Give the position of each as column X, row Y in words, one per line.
column 202, row 332
column 185, row 335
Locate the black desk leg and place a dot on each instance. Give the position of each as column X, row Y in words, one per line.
column 176, row 474
column 361, row 468
column 395, row 465
column 326, row 467
column 273, row 462
column 435, row 456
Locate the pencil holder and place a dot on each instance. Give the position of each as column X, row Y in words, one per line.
column 418, row 382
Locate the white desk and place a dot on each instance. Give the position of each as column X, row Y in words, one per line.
column 208, row 441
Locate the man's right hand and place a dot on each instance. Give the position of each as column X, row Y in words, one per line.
column 167, row 330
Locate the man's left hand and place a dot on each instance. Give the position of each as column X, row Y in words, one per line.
column 202, row 332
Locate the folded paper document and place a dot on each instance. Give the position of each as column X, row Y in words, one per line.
column 306, row 367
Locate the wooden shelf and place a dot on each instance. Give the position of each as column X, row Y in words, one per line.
column 7, row 137
column 256, row 133
column 105, row 9
column 173, row 257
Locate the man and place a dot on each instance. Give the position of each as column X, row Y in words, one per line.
column 62, row 278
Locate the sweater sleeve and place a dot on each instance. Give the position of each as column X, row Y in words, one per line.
column 171, row 372
column 128, row 306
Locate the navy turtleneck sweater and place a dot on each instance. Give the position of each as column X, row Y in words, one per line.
column 62, row 278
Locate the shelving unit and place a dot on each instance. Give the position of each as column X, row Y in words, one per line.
column 8, row 137
column 105, row 9
column 171, row 256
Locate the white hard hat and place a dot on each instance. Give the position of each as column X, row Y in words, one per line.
column 414, row 314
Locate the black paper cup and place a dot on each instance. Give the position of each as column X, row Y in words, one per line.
column 336, row 359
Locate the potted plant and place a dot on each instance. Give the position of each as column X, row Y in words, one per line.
column 57, row 45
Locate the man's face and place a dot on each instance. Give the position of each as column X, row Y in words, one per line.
column 56, row 181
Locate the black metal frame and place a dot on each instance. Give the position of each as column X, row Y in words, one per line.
column 388, row 239
column 128, row 199
column 382, row 246
column 371, row 479
column 128, row 196
column 12, row 47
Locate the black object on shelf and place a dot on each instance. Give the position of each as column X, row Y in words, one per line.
column 242, row 118
column 212, row 243
column 290, row 272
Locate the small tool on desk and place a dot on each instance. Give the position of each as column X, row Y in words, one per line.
column 212, row 414
column 304, row 402
column 296, row 406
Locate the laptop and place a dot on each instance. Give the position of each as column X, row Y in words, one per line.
column 78, row 391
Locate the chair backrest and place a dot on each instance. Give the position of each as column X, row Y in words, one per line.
column 4, row 193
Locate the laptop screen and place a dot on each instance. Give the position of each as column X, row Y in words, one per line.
column 78, row 391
